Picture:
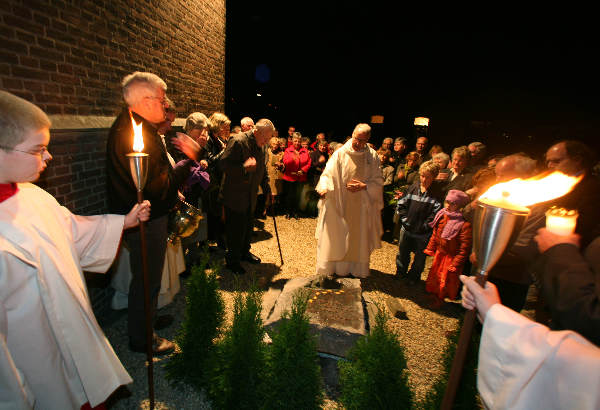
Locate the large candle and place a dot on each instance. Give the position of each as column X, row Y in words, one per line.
column 561, row 221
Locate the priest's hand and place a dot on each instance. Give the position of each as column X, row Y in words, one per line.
column 546, row 239
column 188, row 146
column 321, row 191
column 355, row 185
column 139, row 212
column 476, row 297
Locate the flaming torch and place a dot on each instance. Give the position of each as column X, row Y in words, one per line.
column 499, row 216
column 138, row 163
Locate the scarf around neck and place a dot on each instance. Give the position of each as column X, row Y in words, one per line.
column 453, row 225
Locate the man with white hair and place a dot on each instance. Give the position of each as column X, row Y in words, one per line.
column 144, row 94
column 349, row 225
column 247, row 124
column 244, row 169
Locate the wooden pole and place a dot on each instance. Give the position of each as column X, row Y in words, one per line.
column 458, row 364
column 147, row 307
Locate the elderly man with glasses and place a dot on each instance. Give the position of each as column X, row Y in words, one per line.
column 145, row 96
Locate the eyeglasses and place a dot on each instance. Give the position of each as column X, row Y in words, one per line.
column 161, row 100
column 39, row 152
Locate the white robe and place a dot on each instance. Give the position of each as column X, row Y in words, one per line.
column 349, row 224
column 53, row 354
column 524, row 365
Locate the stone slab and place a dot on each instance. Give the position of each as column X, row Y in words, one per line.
column 336, row 315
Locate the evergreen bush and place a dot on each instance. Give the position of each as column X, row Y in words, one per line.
column 375, row 375
column 466, row 394
column 202, row 323
column 294, row 373
column 237, row 371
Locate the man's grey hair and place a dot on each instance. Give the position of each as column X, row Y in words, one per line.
column 196, row 120
column 362, row 129
column 265, row 123
column 388, row 139
column 139, row 85
column 247, row 121
column 17, row 118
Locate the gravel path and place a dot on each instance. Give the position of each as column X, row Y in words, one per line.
column 421, row 331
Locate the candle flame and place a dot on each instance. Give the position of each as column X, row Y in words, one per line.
column 138, row 138
column 520, row 193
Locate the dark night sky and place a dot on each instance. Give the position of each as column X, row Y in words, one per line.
column 331, row 67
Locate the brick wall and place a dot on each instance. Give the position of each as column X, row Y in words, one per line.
column 69, row 57
column 76, row 176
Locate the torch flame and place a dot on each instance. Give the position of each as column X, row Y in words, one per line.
column 520, row 193
column 138, row 138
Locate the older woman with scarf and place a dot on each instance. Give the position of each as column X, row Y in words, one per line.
column 450, row 245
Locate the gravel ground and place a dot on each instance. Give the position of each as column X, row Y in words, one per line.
column 421, row 331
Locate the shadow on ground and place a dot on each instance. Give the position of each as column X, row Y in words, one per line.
column 260, row 275
column 400, row 288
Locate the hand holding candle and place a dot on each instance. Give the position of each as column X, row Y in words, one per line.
column 547, row 239
column 561, row 221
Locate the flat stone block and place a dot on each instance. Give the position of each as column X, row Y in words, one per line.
column 336, row 315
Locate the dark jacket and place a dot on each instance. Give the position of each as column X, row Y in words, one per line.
column 238, row 187
column 570, row 284
column 316, row 168
column 417, row 209
column 462, row 182
column 162, row 181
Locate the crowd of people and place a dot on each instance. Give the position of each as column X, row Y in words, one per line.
column 425, row 197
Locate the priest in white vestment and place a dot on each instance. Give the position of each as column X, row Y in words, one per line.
column 525, row 365
column 349, row 223
column 53, row 354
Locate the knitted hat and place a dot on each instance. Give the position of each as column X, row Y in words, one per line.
column 458, row 197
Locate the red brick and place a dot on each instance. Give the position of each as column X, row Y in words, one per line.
column 30, row 73
column 12, row 83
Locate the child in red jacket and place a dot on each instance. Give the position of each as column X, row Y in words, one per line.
column 450, row 245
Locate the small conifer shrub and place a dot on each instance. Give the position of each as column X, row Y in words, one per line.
column 294, row 373
column 202, row 323
column 237, row 371
column 375, row 374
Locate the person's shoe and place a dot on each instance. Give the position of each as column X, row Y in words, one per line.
column 251, row 258
column 236, row 269
column 163, row 321
column 160, row 347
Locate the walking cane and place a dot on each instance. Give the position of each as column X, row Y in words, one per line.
column 276, row 233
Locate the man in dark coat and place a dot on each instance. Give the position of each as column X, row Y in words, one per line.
column 570, row 282
column 144, row 94
column 243, row 166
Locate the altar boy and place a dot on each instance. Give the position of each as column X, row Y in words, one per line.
column 53, row 354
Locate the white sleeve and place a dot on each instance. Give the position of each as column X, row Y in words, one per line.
column 523, row 365
column 96, row 239
column 14, row 392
